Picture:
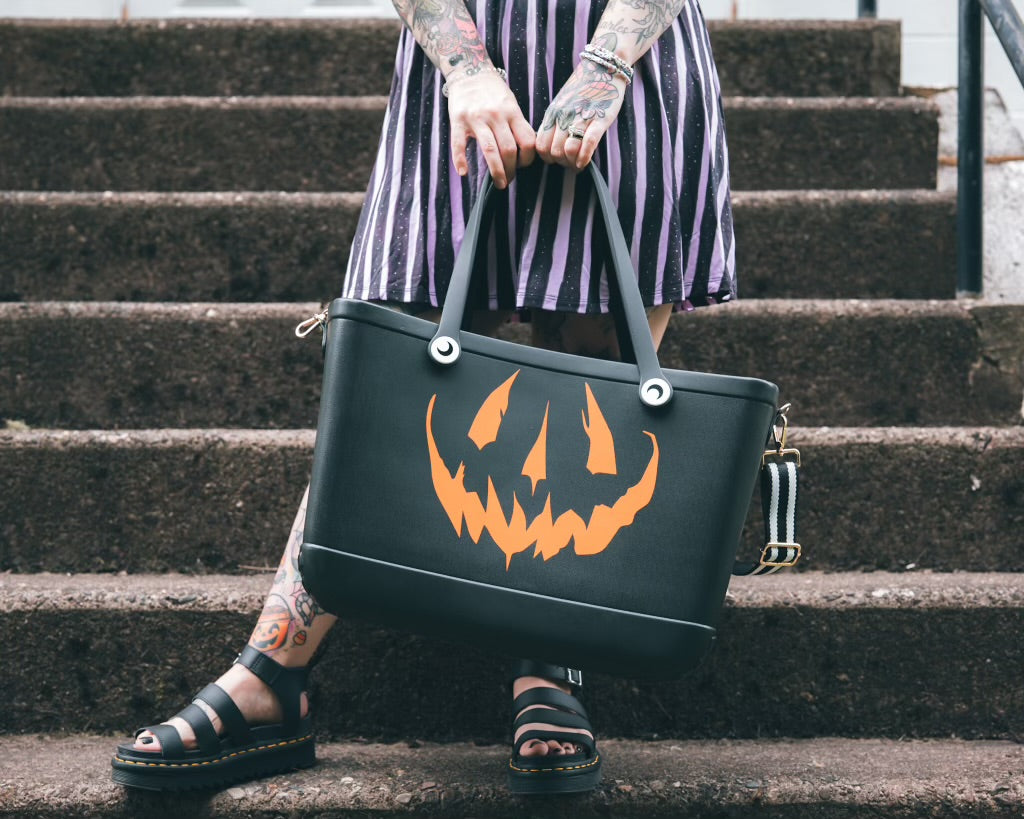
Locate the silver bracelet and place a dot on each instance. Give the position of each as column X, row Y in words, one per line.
column 499, row 71
column 617, row 64
column 612, row 68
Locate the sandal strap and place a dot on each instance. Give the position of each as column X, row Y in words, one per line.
column 548, row 696
column 202, row 727
column 548, row 716
column 534, row 668
column 236, row 725
column 287, row 683
column 560, row 736
column 170, row 741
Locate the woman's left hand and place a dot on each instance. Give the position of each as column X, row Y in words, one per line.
column 587, row 105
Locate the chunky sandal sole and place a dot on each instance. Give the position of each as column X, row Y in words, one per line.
column 578, row 777
column 236, row 765
column 244, row 751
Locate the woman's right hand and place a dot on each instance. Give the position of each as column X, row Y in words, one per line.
column 482, row 107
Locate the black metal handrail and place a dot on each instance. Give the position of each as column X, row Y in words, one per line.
column 971, row 147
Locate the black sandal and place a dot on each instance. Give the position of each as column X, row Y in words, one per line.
column 554, row 773
column 244, row 752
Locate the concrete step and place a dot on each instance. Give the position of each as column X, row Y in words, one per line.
column 852, row 363
column 353, row 57
column 328, row 143
column 222, row 500
column 49, row 776
column 801, row 655
column 294, row 246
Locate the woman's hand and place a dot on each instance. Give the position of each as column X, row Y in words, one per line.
column 483, row 108
column 587, row 105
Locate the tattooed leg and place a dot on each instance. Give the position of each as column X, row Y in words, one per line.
column 290, row 628
column 291, row 625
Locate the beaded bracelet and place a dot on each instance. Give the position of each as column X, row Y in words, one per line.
column 499, row 71
column 608, row 59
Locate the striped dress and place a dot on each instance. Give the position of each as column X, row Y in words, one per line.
column 665, row 159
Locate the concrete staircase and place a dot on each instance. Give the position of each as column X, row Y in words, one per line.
column 176, row 196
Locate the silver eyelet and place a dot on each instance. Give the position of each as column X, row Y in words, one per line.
column 444, row 350
column 655, row 392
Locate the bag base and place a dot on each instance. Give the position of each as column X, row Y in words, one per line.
column 363, row 588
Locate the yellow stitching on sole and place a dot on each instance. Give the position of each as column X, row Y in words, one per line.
column 552, row 770
column 211, row 761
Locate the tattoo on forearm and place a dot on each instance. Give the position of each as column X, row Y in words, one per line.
column 446, row 32
column 646, row 20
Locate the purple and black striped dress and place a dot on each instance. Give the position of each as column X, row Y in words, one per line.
column 665, row 159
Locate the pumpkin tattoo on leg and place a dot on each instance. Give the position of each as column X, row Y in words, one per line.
column 271, row 631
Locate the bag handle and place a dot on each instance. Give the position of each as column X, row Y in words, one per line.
column 445, row 347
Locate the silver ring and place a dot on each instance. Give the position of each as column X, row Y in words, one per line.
column 575, row 135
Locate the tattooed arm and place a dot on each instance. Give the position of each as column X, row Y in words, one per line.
column 480, row 104
column 591, row 98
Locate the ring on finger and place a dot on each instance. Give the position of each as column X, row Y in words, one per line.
column 575, row 133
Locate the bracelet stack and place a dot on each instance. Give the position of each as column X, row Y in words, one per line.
column 499, row 71
column 608, row 59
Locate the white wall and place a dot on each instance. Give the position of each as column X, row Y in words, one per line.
column 929, row 38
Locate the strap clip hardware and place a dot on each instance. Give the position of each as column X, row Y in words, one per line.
column 782, row 455
column 777, row 444
column 793, row 550
column 304, row 328
column 574, row 676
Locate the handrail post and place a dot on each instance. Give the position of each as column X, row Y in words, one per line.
column 867, row 8
column 971, row 151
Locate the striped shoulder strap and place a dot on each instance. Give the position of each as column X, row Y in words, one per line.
column 779, row 483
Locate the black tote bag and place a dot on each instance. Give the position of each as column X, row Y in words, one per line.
column 534, row 503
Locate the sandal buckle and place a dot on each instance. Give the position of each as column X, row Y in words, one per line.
column 574, row 676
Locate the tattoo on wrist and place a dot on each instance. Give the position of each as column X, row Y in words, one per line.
column 587, row 95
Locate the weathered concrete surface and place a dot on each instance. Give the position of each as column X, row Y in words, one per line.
column 350, row 57
column 205, row 57
column 294, row 246
column 189, row 143
column 175, row 246
column 217, row 500
column 161, row 500
column 907, row 362
column 844, row 363
column 768, row 779
column 845, row 244
column 832, row 143
column 328, row 143
column 852, row 654
column 809, row 58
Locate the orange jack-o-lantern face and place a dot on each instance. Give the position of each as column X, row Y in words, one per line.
column 548, row 534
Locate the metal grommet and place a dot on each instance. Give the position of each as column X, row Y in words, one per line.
column 444, row 350
column 655, row 392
